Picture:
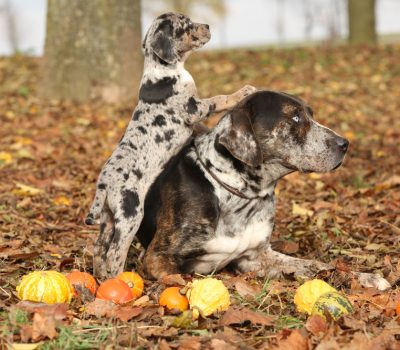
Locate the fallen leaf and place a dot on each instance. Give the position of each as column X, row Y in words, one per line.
column 44, row 326
column 297, row 340
column 26, row 346
column 62, row 200
column 25, row 190
column 245, row 289
column 316, row 324
column 5, row 157
column 59, row 310
column 219, row 344
column 173, row 280
column 104, row 308
column 300, row 211
column 239, row 316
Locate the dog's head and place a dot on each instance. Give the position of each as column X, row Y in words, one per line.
column 172, row 37
column 271, row 127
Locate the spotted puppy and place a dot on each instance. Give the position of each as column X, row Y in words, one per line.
column 217, row 202
column 161, row 123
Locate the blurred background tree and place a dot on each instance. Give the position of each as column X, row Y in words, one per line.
column 362, row 27
column 93, row 50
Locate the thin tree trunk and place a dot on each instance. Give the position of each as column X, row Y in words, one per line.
column 361, row 15
column 93, row 50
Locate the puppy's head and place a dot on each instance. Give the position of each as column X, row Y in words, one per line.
column 271, row 127
column 172, row 37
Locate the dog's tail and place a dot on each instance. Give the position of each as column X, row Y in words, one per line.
column 97, row 206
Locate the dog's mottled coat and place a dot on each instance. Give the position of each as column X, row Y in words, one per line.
column 201, row 226
column 162, row 122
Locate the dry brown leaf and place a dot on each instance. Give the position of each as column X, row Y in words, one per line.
column 239, row 316
column 297, row 340
column 218, row 344
column 316, row 324
column 173, row 280
column 44, row 326
column 59, row 311
column 104, row 308
column 245, row 289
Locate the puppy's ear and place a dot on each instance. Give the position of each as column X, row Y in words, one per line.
column 240, row 140
column 162, row 44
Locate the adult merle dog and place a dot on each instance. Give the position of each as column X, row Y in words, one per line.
column 213, row 205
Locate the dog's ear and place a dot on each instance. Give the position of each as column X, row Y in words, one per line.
column 163, row 45
column 240, row 140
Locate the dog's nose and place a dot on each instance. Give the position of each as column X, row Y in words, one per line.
column 343, row 144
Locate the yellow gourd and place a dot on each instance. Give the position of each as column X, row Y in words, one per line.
column 45, row 286
column 309, row 292
column 207, row 296
column 332, row 303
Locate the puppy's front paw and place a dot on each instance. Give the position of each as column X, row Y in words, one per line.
column 372, row 280
column 247, row 90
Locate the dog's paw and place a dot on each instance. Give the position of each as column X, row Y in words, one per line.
column 372, row 280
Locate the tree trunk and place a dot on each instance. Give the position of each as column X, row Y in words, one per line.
column 93, row 50
column 361, row 15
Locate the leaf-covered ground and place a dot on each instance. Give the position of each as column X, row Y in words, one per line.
column 51, row 153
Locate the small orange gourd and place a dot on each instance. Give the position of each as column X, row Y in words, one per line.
column 134, row 281
column 84, row 279
column 114, row 290
column 172, row 298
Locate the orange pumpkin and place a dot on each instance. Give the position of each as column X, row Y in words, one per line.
column 84, row 279
column 398, row 309
column 115, row 290
column 134, row 281
column 172, row 298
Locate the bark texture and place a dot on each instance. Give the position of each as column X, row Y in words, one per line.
column 93, row 50
column 361, row 15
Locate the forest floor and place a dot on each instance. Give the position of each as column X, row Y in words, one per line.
column 51, row 153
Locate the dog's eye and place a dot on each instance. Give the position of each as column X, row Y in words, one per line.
column 190, row 24
column 296, row 118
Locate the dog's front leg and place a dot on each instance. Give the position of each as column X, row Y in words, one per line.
column 272, row 264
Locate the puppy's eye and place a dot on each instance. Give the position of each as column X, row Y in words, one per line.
column 190, row 24
column 296, row 118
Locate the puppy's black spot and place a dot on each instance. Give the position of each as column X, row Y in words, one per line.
column 102, row 227
column 126, row 176
column 168, row 135
column 136, row 115
column 138, row 173
column 176, row 120
column 119, row 156
column 158, row 139
column 130, row 202
column 142, row 130
column 159, row 120
column 170, row 111
column 195, row 38
column 157, row 92
column 117, row 235
column 119, row 170
column 131, row 145
column 191, row 106
column 101, row 186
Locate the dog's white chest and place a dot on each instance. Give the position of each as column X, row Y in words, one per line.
column 224, row 249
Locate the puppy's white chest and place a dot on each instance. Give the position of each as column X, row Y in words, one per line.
column 186, row 77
